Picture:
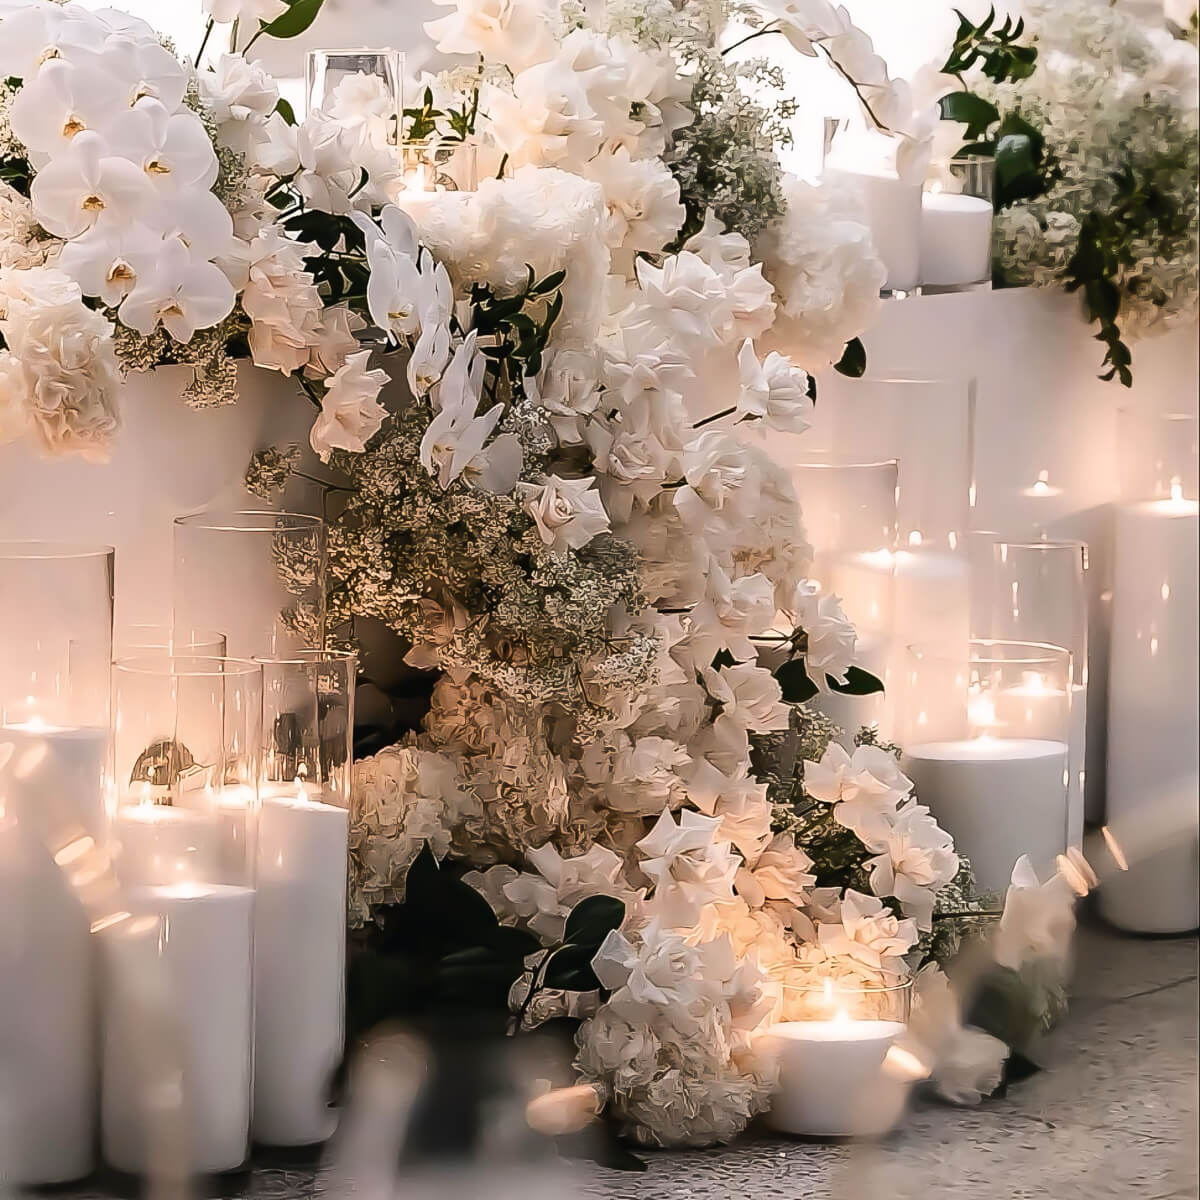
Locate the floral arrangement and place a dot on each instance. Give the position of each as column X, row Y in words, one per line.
column 1097, row 159
column 539, row 406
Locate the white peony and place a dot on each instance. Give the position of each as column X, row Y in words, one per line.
column 568, row 513
column 689, row 864
column 865, row 789
column 514, row 32
column 914, row 863
column 749, row 696
column 282, row 302
column 350, row 410
column 868, row 935
column 60, row 370
column 642, row 197
column 825, row 272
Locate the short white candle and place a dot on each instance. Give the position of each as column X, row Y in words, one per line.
column 956, row 239
column 1152, row 708
column 186, row 950
column 832, row 1081
column 299, row 960
column 51, row 795
column 999, row 798
column 893, row 211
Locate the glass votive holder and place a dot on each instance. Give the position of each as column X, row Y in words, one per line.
column 987, row 749
column 956, row 229
column 1037, row 591
column 183, row 834
column 440, row 165
column 257, row 575
column 330, row 73
column 56, row 605
column 300, row 915
column 834, row 1050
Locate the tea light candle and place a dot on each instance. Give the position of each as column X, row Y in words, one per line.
column 183, row 956
column 832, row 1081
column 50, row 795
column 893, row 212
column 998, row 797
column 1152, row 706
column 956, row 239
column 299, row 962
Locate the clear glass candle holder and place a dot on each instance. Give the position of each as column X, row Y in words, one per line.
column 987, row 747
column 1037, row 591
column 327, row 70
column 433, row 165
column 850, row 517
column 300, row 918
column 56, row 605
column 184, row 834
column 258, row 576
column 1153, row 756
column 836, row 1051
column 140, row 641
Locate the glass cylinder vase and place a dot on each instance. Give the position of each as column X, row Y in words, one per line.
column 56, row 605
column 1037, row 591
column 188, row 733
column 257, row 576
column 300, row 917
column 850, row 518
column 956, row 228
column 1153, row 767
column 833, row 1049
column 326, row 71
column 986, row 747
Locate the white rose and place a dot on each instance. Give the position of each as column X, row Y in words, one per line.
column 774, row 391
column 568, row 512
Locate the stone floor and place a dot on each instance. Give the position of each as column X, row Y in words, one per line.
column 1113, row 1115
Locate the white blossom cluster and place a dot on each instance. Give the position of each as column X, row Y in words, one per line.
column 1113, row 92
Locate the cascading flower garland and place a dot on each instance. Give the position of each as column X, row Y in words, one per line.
column 537, row 404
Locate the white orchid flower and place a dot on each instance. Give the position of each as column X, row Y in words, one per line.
column 173, row 149
column 139, row 69
column 183, row 293
column 63, row 100
column 393, row 290
column 454, row 438
column 326, row 153
column 497, row 468
column 198, row 219
column 461, row 385
column 108, row 260
column 429, row 358
column 36, row 34
column 70, row 194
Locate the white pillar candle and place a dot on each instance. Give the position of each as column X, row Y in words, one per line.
column 160, row 844
column 1152, row 707
column 186, row 953
column 956, row 239
column 832, row 1081
column 47, row 1051
column 50, row 796
column 1034, row 710
column 998, row 798
column 892, row 208
column 299, row 960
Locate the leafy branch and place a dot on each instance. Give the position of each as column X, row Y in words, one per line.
column 995, row 49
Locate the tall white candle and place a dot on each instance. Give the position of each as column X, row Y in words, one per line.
column 893, row 211
column 50, row 797
column 956, row 239
column 299, row 959
column 998, row 797
column 184, row 956
column 1152, row 707
column 832, row 1081
column 160, row 844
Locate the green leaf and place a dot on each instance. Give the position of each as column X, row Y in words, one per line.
column 976, row 113
column 285, row 110
column 858, row 683
column 571, row 969
column 854, row 360
column 593, row 919
column 549, row 284
column 794, row 681
column 1014, row 158
column 299, row 16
